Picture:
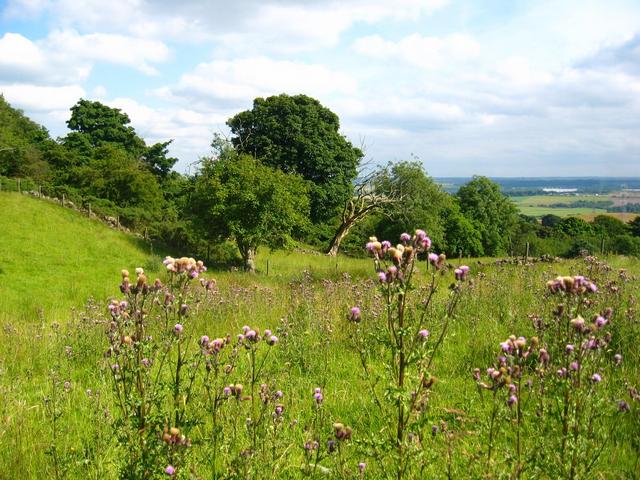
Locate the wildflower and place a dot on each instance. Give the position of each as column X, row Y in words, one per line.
column 245, row 329
column 574, row 366
column 355, row 314
column 251, row 335
column 145, row 362
column 382, row 277
column 170, row 471
column 600, row 321
column 595, row 378
column 272, row 340
column 204, row 340
column 405, row 237
column 423, row 334
column 570, row 348
column 386, row 245
column 476, row 374
column 178, row 328
column 267, row 333
column 512, row 400
column 278, row 394
column 331, row 445
column 578, row 323
column 617, row 358
column 544, row 356
column 67, row 386
column 317, row 395
column 361, row 467
column 226, row 391
column 562, row 372
column 183, row 309
column 434, row 430
column 623, row 406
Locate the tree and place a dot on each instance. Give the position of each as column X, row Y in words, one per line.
column 236, row 196
column 634, row 226
column 365, row 201
column 22, row 143
column 574, row 227
column 461, row 237
column 609, row 226
column 296, row 134
column 94, row 124
column 550, row 220
column 423, row 202
column 493, row 214
column 155, row 158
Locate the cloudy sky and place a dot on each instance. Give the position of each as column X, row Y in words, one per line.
column 492, row 87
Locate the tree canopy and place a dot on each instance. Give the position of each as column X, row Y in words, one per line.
column 492, row 214
column 236, row 196
column 296, row 134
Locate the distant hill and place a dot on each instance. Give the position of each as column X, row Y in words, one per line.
column 54, row 258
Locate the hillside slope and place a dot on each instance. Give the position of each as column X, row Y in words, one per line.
column 53, row 258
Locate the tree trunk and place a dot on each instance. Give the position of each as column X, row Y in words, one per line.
column 342, row 232
column 248, row 253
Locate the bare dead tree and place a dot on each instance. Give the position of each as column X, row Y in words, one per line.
column 365, row 200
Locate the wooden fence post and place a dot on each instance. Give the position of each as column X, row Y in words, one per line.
column 526, row 255
column 602, row 246
column 19, row 190
column 63, row 199
column 89, row 208
column 268, row 262
column 40, row 191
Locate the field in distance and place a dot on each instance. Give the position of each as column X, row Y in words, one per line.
column 585, row 206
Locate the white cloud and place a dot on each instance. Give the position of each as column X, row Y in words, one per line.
column 37, row 98
column 66, row 57
column 420, row 51
column 224, row 83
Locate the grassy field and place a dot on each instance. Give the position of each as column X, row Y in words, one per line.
column 539, row 205
column 62, row 416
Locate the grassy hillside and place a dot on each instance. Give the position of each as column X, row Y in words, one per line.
column 54, row 258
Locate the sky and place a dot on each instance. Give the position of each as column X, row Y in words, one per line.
column 490, row 87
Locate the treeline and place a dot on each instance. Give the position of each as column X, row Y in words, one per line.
column 285, row 177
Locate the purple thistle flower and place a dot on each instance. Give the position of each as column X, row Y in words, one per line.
column 226, row 391
column 512, row 400
column 570, row 348
column 423, row 334
column 245, row 329
column 362, row 466
column 574, row 366
column 267, row 333
column 272, row 340
column 595, row 378
column 623, row 406
column 278, row 394
column 562, row 372
column 204, row 340
column 170, row 471
column 405, row 237
column 382, row 277
column 355, row 314
column 178, row 328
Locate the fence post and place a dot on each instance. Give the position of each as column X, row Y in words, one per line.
column 118, row 221
column 526, row 255
column 19, row 190
column 268, row 262
column 40, row 191
column 63, row 199
column 89, row 208
column 602, row 246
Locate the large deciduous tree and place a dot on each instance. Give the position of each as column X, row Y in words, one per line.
column 296, row 134
column 236, row 196
column 493, row 214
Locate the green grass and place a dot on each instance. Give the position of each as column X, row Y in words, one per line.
column 54, row 259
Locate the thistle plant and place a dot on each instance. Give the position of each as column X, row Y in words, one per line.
column 405, row 341
column 548, row 394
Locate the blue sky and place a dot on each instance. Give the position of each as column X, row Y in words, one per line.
column 492, row 87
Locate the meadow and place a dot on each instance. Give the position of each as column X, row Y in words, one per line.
column 311, row 368
column 540, row 205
